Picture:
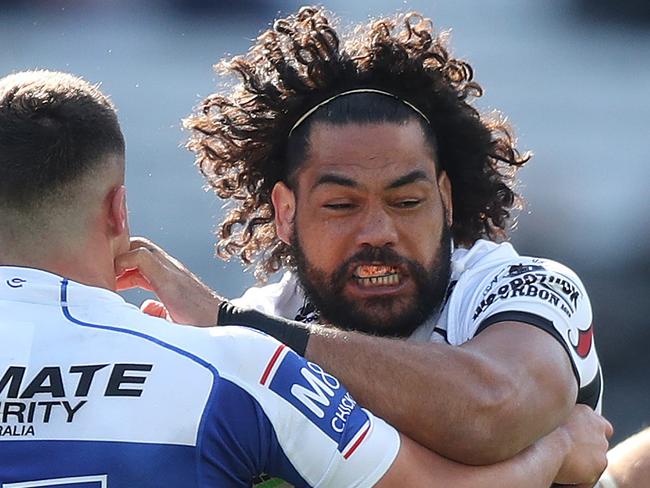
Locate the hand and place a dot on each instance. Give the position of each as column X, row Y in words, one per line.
column 185, row 299
column 588, row 433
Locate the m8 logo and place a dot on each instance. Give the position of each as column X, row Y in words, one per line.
column 318, row 395
column 320, row 390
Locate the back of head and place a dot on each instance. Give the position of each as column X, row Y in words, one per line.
column 61, row 177
column 54, row 128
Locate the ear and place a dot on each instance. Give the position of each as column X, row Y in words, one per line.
column 284, row 203
column 117, row 212
column 444, row 186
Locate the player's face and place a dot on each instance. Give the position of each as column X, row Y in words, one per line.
column 369, row 227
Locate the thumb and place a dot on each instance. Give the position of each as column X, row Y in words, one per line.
column 150, row 269
column 155, row 309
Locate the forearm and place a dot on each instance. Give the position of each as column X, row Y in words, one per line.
column 478, row 403
column 535, row 467
column 435, row 395
column 457, row 401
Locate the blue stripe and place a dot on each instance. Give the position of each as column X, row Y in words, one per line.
column 66, row 313
column 150, row 466
column 158, row 342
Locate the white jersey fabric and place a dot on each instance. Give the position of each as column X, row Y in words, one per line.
column 489, row 283
column 93, row 393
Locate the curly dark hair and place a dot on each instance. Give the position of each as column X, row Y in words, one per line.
column 241, row 137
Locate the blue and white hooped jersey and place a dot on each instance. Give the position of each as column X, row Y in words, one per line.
column 95, row 394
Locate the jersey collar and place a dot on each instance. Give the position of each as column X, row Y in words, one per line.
column 33, row 285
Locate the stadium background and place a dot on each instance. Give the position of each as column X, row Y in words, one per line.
column 573, row 77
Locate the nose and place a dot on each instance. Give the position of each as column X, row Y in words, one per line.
column 377, row 228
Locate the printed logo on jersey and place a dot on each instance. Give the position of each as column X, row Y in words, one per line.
column 16, row 282
column 55, row 394
column 519, row 269
column 582, row 340
column 307, row 313
column 319, row 396
column 513, row 271
column 531, row 281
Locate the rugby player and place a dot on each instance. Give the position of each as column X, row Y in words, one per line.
column 360, row 165
column 94, row 393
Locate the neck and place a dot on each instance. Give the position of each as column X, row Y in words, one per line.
column 77, row 261
column 73, row 231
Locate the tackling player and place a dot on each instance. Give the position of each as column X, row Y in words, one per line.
column 93, row 393
column 360, row 165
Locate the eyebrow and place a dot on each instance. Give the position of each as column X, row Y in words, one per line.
column 333, row 179
column 412, row 177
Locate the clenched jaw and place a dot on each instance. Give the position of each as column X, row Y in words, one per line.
column 371, row 275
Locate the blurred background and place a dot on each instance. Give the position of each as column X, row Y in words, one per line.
column 572, row 75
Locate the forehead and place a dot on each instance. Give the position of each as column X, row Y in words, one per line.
column 376, row 151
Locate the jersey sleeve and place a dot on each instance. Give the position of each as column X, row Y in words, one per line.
column 262, row 299
column 547, row 295
column 288, row 418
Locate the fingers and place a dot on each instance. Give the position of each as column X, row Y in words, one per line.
column 131, row 278
column 147, row 246
column 186, row 298
column 154, row 308
column 149, row 269
column 155, row 249
column 138, row 242
column 587, row 458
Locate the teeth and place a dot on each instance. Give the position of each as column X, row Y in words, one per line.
column 385, row 280
column 374, row 270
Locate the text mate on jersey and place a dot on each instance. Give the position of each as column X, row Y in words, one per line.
column 55, row 394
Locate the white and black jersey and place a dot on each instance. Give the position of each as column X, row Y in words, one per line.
column 490, row 283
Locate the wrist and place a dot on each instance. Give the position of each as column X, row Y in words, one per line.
column 560, row 441
column 212, row 310
column 205, row 309
column 293, row 334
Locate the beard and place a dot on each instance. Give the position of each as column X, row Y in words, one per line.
column 390, row 316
